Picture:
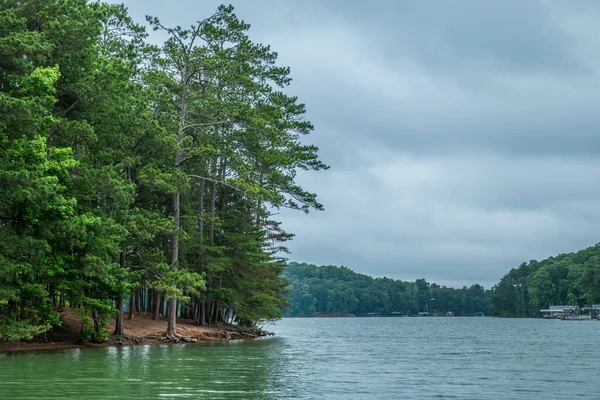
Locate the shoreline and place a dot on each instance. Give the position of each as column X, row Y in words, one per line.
column 140, row 331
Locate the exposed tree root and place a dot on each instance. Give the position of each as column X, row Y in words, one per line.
column 179, row 337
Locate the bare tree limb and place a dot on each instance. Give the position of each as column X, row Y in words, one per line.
column 205, row 124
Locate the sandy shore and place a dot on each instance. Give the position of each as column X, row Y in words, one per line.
column 139, row 331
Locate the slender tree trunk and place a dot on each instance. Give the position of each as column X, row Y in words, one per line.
column 222, row 169
column 96, row 335
column 209, row 312
column 157, row 304
column 172, row 317
column 213, row 194
column 218, row 308
column 202, row 313
column 150, row 300
column 145, row 298
column 172, row 320
column 138, row 301
column 119, row 319
column 215, row 311
column 201, row 185
column 131, row 304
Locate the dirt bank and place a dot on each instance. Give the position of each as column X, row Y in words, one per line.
column 141, row 330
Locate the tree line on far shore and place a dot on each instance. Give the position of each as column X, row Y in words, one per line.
column 339, row 290
column 566, row 279
column 571, row 279
column 142, row 172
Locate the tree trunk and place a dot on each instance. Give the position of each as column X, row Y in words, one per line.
column 145, row 298
column 226, row 316
column 150, row 300
column 215, row 311
column 218, row 308
column 202, row 313
column 208, row 312
column 157, row 304
column 201, row 185
column 131, row 304
column 213, row 193
column 138, row 300
column 222, row 169
column 119, row 319
column 172, row 320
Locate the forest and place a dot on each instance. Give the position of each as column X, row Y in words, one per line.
column 339, row 290
column 146, row 174
column 572, row 279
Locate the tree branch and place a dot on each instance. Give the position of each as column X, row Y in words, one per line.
column 205, row 124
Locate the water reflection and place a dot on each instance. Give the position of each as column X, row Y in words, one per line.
column 217, row 371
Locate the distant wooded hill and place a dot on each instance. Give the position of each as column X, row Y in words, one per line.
column 339, row 290
column 572, row 278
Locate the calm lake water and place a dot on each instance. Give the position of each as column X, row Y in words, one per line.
column 338, row 358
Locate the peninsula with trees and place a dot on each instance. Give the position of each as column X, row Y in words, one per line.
column 139, row 186
column 143, row 175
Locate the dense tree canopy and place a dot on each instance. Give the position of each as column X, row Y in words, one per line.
column 139, row 173
column 339, row 290
column 572, row 279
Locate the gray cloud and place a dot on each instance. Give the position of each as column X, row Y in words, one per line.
column 461, row 218
column 462, row 135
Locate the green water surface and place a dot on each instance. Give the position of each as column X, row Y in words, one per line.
column 338, row 358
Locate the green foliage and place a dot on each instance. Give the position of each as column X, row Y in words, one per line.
column 94, row 315
column 565, row 279
column 17, row 330
column 339, row 290
column 87, row 327
column 124, row 166
column 36, row 210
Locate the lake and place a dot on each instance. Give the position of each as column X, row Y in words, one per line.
column 332, row 358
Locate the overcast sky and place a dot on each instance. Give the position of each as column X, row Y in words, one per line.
column 463, row 136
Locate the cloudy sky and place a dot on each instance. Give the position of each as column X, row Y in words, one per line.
column 463, row 136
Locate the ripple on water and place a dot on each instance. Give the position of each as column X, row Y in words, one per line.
column 345, row 358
